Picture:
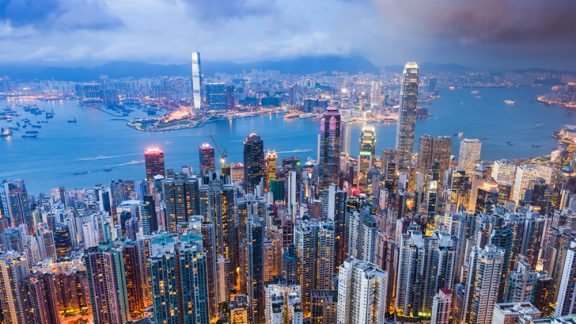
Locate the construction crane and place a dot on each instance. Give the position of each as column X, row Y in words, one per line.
column 223, row 153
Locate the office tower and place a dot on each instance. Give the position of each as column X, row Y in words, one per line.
column 237, row 172
column 515, row 312
column 441, row 307
column 178, row 279
column 525, row 174
column 207, row 160
column 434, row 150
column 314, row 242
column 181, row 198
column 504, row 171
column 365, row 158
column 15, row 204
column 329, row 147
column 328, row 200
column 483, row 283
column 196, row 81
column 361, row 293
column 566, row 300
column 283, row 304
column 521, row 282
column 107, row 283
column 230, row 100
column 253, row 161
column 271, row 165
column 14, row 303
column 502, row 237
column 215, row 96
column 62, row 240
column 148, row 217
column 469, row 155
column 154, row 161
column 290, row 264
column 407, row 116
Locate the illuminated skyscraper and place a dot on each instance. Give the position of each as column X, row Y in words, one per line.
column 215, row 96
column 13, row 301
column 253, row 161
column 329, row 147
column 154, row 161
column 207, row 160
column 407, row 116
column 182, row 200
column 469, row 155
column 361, row 293
column 15, row 203
column 367, row 151
column 271, row 165
column 196, row 81
column 441, row 307
column 107, row 283
column 566, row 302
column 434, row 149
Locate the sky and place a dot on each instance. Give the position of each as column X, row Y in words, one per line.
column 481, row 33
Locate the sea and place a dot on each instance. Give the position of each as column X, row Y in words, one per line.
column 98, row 147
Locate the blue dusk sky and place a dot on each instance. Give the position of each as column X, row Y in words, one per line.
column 484, row 33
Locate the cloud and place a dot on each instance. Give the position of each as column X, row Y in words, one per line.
column 64, row 15
column 216, row 11
column 486, row 21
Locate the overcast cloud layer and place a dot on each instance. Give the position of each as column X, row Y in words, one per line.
column 492, row 33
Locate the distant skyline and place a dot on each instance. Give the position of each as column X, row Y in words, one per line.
column 478, row 33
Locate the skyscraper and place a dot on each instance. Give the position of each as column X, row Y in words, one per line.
column 154, row 161
column 13, row 301
column 207, row 160
column 566, row 301
column 181, row 196
column 407, row 116
column 215, row 96
column 271, row 165
column 361, row 293
column 107, row 284
column 485, row 266
column 15, row 204
column 434, row 149
column 441, row 307
column 469, row 155
column 253, row 161
column 329, row 147
column 196, row 81
column 366, row 156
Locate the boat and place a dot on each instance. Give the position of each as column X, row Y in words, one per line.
column 474, row 92
column 36, row 126
column 451, row 88
column 49, row 114
column 72, row 120
column 509, row 102
column 14, row 128
column 5, row 132
column 80, row 172
column 32, row 132
column 29, row 135
column 107, row 169
column 509, row 143
column 536, row 145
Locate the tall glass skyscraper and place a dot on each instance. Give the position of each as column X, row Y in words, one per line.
column 407, row 116
column 329, row 147
column 253, row 161
column 196, row 81
column 154, row 161
column 207, row 160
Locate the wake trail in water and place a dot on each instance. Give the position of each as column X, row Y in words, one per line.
column 104, row 157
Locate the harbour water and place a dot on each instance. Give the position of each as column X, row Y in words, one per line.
column 97, row 148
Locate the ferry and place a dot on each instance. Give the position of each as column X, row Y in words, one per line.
column 474, row 92
column 72, row 120
column 509, row 102
column 5, row 132
column 292, row 115
column 80, row 172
